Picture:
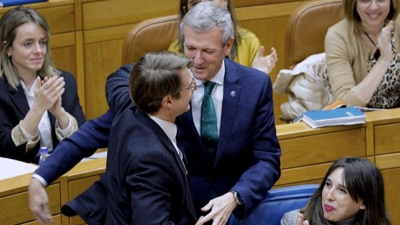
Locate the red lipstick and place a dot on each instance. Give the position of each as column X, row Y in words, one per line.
column 328, row 208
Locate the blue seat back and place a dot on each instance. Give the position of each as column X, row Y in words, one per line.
column 278, row 202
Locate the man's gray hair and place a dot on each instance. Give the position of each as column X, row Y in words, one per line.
column 207, row 15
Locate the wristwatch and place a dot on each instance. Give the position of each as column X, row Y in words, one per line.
column 238, row 199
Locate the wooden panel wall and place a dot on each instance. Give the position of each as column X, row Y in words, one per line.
column 105, row 26
column 103, row 35
column 87, row 36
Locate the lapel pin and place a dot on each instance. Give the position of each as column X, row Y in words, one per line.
column 233, row 93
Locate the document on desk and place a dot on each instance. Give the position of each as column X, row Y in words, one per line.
column 12, row 168
column 95, row 156
column 334, row 117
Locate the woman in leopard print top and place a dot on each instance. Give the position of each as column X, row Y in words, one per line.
column 363, row 54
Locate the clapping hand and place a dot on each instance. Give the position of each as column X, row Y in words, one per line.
column 48, row 92
column 385, row 41
column 265, row 63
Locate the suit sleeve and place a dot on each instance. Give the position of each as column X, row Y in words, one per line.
column 84, row 142
column 259, row 178
column 9, row 124
column 117, row 89
column 13, row 144
column 150, row 180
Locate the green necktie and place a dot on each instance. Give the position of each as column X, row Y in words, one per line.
column 209, row 130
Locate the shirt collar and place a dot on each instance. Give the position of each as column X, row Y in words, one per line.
column 218, row 79
column 31, row 91
column 169, row 128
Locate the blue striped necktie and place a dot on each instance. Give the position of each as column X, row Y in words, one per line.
column 209, row 130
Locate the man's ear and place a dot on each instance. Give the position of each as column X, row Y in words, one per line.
column 167, row 101
column 228, row 46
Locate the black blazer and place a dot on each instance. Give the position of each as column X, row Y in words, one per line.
column 14, row 107
column 146, row 180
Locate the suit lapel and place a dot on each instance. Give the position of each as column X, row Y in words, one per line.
column 19, row 100
column 186, row 124
column 163, row 138
column 230, row 103
column 187, row 120
column 170, row 147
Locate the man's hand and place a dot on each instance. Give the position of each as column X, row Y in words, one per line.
column 221, row 208
column 38, row 202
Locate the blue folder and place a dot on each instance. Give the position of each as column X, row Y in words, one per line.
column 334, row 117
column 6, row 3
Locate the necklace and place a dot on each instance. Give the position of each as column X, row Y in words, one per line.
column 372, row 41
column 377, row 52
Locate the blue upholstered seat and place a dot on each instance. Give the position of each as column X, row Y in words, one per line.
column 278, row 202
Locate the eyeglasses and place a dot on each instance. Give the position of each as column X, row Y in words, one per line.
column 192, row 86
column 367, row 3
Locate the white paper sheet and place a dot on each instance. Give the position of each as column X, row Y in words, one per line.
column 12, row 168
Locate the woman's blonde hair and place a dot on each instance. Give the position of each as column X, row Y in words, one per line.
column 9, row 23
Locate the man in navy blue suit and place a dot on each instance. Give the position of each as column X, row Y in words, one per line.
column 149, row 183
column 246, row 162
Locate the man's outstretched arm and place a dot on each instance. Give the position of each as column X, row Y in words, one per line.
column 117, row 89
column 84, row 142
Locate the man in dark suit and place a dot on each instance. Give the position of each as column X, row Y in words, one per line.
column 246, row 161
column 146, row 176
column 84, row 142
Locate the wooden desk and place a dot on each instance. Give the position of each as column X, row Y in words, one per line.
column 386, row 142
column 80, row 178
column 307, row 153
column 14, row 205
